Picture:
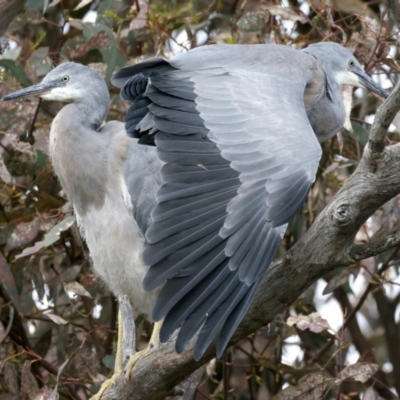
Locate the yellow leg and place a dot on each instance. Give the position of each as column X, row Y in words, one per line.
column 118, row 361
column 154, row 340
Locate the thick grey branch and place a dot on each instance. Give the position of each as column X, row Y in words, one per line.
column 9, row 9
column 321, row 250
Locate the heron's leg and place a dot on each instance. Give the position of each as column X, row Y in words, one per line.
column 154, row 341
column 118, row 360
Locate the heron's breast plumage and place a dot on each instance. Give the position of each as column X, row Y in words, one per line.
column 116, row 243
column 89, row 166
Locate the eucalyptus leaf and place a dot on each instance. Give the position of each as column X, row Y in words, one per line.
column 109, row 361
column 41, row 61
column 51, row 237
column 36, row 4
column 359, row 133
column 110, row 52
column 16, row 71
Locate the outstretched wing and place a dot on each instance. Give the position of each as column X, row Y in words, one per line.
column 240, row 157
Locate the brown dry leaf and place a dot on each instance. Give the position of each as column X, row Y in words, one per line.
column 285, row 13
column 210, row 367
column 2, row 364
column 4, row 332
column 340, row 140
column 10, row 379
column 22, row 147
column 56, row 319
column 7, row 278
column 29, row 386
column 313, row 322
column 140, row 20
column 44, row 393
column 54, row 394
column 5, row 175
column 360, row 372
column 82, row 4
column 338, row 280
column 100, row 68
column 77, row 289
column 373, row 27
column 330, row 168
column 310, row 387
column 390, row 62
column 346, row 6
column 24, row 233
column 370, row 394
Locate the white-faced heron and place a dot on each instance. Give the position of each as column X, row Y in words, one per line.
column 223, row 147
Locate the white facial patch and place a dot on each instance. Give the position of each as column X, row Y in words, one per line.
column 64, row 94
column 347, row 97
column 347, row 78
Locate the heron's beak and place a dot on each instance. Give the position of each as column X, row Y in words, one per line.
column 34, row 90
column 369, row 83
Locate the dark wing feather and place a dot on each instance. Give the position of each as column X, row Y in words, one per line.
column 236, row 172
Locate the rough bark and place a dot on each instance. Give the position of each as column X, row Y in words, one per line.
column 327, row 245
column 9, row 9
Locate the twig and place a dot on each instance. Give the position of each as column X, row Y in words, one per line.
column 362, row 251
column 225, row 375
column 383, row 118
column 361, row 301
column 31, row 138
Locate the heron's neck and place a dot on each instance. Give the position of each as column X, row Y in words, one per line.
column 90, row 114
column 78, row 152
column 328, row 114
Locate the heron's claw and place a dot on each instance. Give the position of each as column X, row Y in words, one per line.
column 105, row 385
column 154, row 341
column 133, row 360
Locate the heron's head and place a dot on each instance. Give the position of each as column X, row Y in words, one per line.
column 69, row 82
column 341, row 65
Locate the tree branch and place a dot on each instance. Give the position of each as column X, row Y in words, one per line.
column 383, row 118
column 362, row 251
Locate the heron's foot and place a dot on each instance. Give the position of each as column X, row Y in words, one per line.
column 134, row 359
column 109, row 382
column 154, row 341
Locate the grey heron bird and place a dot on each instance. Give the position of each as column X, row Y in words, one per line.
column 221, row 151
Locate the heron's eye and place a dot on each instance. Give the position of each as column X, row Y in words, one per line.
column 65, row 79
column 352, row 63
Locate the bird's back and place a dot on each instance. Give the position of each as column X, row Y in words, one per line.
column 326, row 114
